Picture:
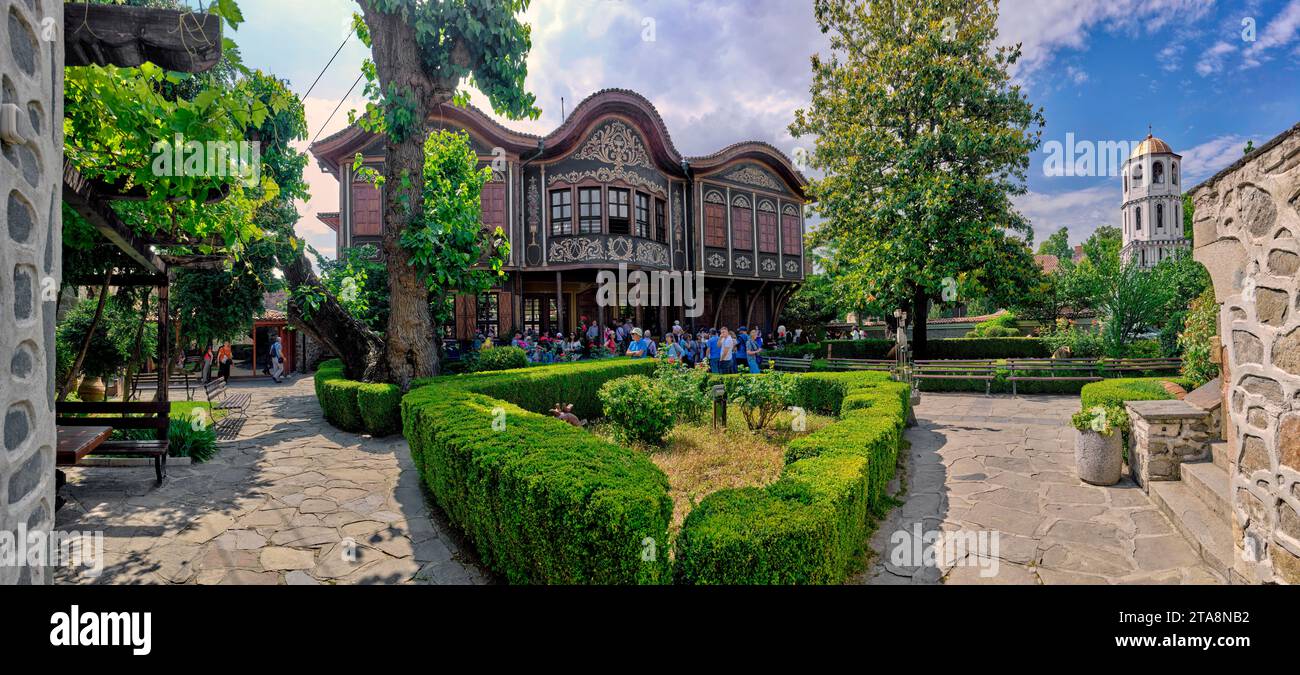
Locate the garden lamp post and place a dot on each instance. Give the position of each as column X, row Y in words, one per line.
column 719, row 405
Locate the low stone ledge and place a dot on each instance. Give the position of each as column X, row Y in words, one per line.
column 1164, row 435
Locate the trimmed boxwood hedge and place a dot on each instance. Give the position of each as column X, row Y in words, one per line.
column 946, row 348
column 542, row 501
column 811, row 525
column 357, row 406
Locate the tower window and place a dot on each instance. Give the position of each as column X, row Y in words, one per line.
column 1160, row 217
column 1137, row 218
column 1137, row 174
column 1158, row 173
column 1173, row 172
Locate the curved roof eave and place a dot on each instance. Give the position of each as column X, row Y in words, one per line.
column 331, row 150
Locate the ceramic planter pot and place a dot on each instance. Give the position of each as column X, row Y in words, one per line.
column 1098, row 458
column 91, row 389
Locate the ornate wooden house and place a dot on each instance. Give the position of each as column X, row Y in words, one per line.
column 607, row 188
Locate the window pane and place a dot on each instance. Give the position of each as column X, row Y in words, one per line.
column 618, row 212
column 561, row 212
column 661, row 231
column 642, row 215
column 715, row 226
column 589, row 210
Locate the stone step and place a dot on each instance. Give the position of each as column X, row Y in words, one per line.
column 1209, row 533
column 1209, row 483
column 1219, row 453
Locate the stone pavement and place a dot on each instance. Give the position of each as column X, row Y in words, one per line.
column 1005, row 464
column 292, row 500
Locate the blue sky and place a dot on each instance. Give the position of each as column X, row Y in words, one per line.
column 722, row 71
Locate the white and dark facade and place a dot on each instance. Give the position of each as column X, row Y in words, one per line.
column 1153, row 204
column 607, row 188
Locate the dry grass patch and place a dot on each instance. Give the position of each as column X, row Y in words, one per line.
column 700, row 460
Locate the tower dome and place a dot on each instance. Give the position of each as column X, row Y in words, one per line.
column 1152, row 207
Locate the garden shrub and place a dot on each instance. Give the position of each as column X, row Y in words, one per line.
column 797, row 351
column 501, row 358
column 542, row 501
column 1002, row 325
column 184, row 440
column 380, row 406
column 689, row 388
column 948, row 348
column 1197, row 339
column 811, row 525
column 357, row 406
column 761, row 398
column 640, row 408
column 1112, row 394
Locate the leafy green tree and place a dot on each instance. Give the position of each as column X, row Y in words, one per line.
column 359, row 279
column 923, row 140
column 422, row 52
column 1058, row 245
column 1131, row 305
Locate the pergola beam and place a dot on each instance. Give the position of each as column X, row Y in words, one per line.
column 81, row 194
column 126, row 36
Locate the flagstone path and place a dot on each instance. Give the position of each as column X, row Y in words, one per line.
column 1006, row 464
column 290, row 501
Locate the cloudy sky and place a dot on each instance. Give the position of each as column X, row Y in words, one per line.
column 1206, row 76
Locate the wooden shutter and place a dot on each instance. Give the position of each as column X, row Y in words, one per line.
column 505, row 314
column 465, row 317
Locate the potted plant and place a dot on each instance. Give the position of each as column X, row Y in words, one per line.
column 1098, row 448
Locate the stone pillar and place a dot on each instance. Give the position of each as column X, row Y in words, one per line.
column 1165, row 434
column 1247, row 221
column 31, row 67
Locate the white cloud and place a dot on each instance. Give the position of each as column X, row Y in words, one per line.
column 1211, row 60
column 1082, row 211
column 1045, row 27
column 1208, row 158
column 1280, row 31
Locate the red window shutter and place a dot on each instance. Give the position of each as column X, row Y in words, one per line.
column 367, row 209
column 742, row 228
column 792, row 241
column 493, row 200
column 767, row 232
column 505, row 314
column 715, row 226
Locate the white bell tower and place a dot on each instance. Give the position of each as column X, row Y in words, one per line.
column 1153, row 204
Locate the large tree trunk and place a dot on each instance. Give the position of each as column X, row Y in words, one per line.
column 410, row 351
column 360, row 348
column 920, row 310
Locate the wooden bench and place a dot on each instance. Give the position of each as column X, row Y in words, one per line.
column 149, row 382
column 1062, row 370
column 783, row 363
column 154, row 415
column 220, row 398
column 1137, row 366
column 985, row 371
column 886, row 365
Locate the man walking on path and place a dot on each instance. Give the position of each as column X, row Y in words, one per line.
column 277, row 360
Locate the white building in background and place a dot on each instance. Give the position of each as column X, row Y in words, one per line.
column 1153, row 204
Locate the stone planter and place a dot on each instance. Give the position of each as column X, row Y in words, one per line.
column 1098, row 458
column 91, row 389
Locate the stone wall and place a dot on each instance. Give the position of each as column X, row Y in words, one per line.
column 1247, row 220
column 31, row 71
column 1164, row 435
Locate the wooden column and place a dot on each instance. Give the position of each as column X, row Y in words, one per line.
column 164, row 352
column 559, row 300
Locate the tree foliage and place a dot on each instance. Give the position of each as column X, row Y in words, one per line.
column 923, row 139
column 421, row 54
